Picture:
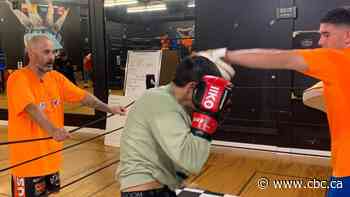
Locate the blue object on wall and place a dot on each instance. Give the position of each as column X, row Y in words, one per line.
column 2, row 59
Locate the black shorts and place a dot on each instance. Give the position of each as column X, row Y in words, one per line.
column 35, row 186
column 163, row 192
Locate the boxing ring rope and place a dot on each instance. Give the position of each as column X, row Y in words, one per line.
column 65, row 148
column 71, row 131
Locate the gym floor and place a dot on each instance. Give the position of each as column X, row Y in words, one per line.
column 228, row 170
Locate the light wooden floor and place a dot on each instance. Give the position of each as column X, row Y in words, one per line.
column 231, row 171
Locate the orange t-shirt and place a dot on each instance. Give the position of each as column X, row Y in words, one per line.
column 187, row 42
column 49, row 94
column 332, row 66
column 88, row 63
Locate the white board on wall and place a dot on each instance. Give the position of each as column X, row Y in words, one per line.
column 139, row 64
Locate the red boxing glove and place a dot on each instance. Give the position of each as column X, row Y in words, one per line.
column 209, row 98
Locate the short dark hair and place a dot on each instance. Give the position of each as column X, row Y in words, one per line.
column 193, row 69
column 338, row 16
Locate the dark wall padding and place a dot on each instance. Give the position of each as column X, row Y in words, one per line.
column 71, row 34
column 263, row 110
column 12, row 33
column 170, row 59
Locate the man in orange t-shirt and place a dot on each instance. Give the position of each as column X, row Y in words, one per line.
column 331, row 64
column 35, row 103
column 87, row 69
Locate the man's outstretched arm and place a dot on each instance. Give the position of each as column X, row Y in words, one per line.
column 267, row 59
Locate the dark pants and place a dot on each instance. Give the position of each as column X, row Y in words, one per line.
column 40, row 186
column 163, row 192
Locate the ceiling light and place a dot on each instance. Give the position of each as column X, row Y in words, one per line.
column 147, row 8
column 191, row 5
column 119, row 2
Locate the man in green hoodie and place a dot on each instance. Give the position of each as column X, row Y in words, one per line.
column 168, row 132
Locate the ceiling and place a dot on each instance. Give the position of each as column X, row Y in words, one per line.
column 141, row 2
column 175, row 10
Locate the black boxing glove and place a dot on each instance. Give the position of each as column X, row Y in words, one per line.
column 209, row 98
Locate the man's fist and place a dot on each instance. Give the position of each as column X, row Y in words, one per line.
column 210, row 98
column 216, row 56
column 59, row 134
column 118, row 110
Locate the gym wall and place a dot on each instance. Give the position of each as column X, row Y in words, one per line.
column 265, row 109
column 12, row 33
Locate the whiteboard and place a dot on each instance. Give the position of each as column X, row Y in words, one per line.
column 139, row 64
